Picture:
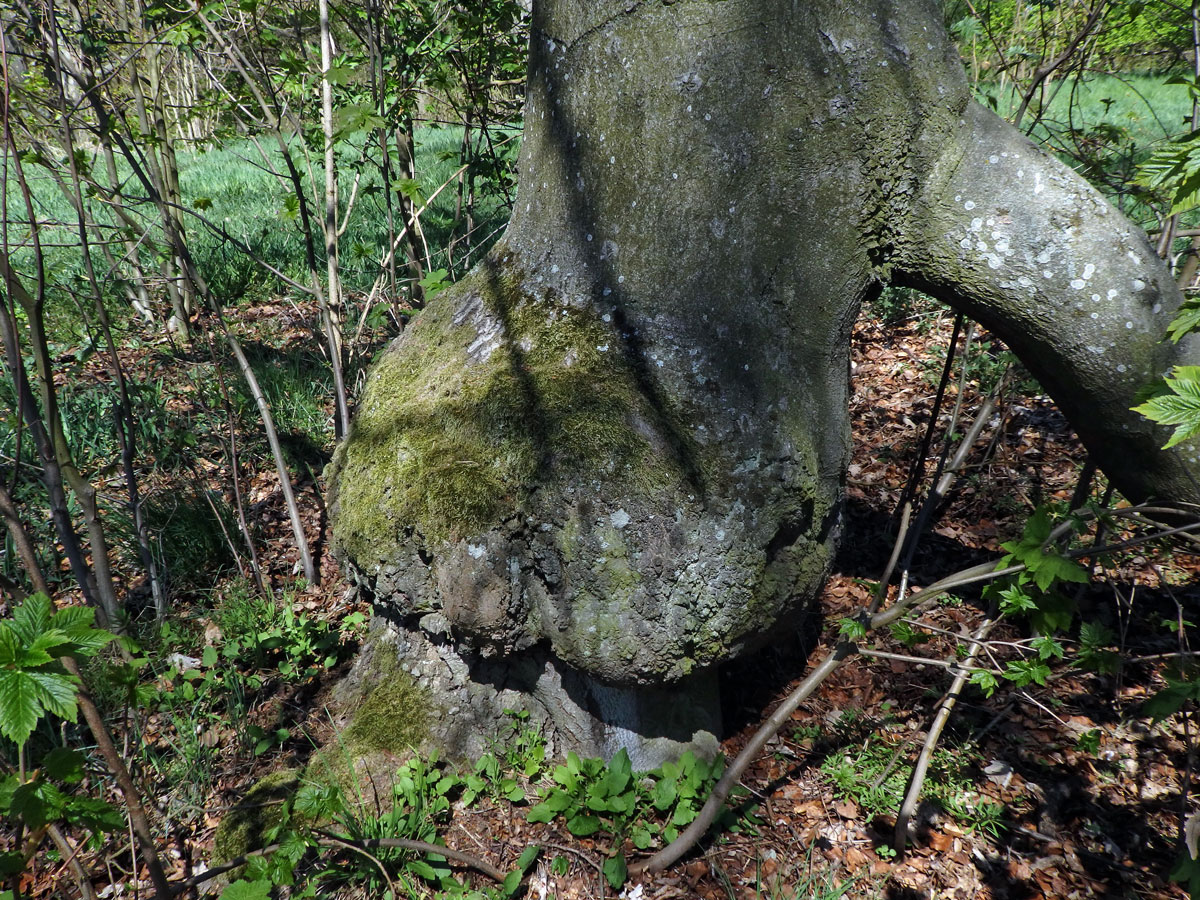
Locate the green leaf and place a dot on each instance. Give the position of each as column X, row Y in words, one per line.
column 422, row 869
column 583, row 825
column 663, row 795
column 1170, row 699
column 247, row 890
column 540, row 813
column 63, row 764
column 527, row 858
column 1186, row 320
column 615, row 871
column 852, row 629
column 1180, row 408
column 1052, row 567
column 1047, row 647
column 985, row 681
column 1015, row 599
column 512, row 883
column 620, row 772
column 56, row 693
column 31, row 618
column 1024, row 671
column 19, row 706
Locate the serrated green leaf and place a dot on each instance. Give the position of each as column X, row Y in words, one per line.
column 57, row 693
column 1180, row 408
column 1052, row 567
column 247, row 890
column 10, row 645
column 19, row 706
column 985, row 681
column 31, row 618
column 1186, row 320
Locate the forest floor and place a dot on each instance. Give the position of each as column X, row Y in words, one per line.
column 1056, row 791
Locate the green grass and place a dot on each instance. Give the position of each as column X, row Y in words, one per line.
column 237, row 192
column 1141, row 105
column 1104, row 127
column 242, row 191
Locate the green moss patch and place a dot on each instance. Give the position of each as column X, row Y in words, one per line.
column 448, row 438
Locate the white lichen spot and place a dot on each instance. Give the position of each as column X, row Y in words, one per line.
column 619, row 519
column 1095, row 315
column 969, row 205
column 477, row 551
column 1129, row 325
column 1038, row 187
column 981, row 246
column 1078, row 284
column 603, row 348
column 1095, row 298
column 1046, row 273
column 1138, row 284
column 965, row 243
column 620, row 279
column 1088, row 271
column 994, row 261
column 993, row 159
column 1020, row 173
column 976, row 224
column 1121, row 368
column 606, row 291
column 587, row 237
column 606, row 318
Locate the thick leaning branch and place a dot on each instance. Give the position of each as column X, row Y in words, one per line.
column 1016, row 240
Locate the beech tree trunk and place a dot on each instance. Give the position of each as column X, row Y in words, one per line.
column 613, row 456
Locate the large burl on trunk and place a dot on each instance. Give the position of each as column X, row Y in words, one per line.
column 612, row 457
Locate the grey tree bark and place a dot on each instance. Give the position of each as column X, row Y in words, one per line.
column 613, row 456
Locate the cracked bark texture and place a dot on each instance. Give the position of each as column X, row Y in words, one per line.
column 613, row 456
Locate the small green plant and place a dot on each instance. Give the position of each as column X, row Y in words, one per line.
column 519, row 756
column 871, row 774
column 418, row 808
column 646, row 808
column 34, row 686
column 1177, row 400
column 1033, row 594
